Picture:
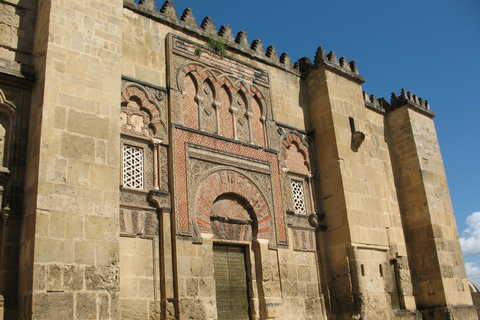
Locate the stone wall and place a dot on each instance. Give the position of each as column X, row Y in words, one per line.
column 17, row 23
column 430, row 228
column 69, row 260
column 152, row 140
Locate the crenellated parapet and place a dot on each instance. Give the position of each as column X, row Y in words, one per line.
column 207, row 30
column 397, row 101
column 305, row 65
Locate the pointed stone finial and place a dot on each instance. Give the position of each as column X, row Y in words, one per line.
column 272, row 53
column 332, row 57
column 304, row 64
column 409, row 96
column 241, row 39
column 320, row 56
column 420, row 101
column 383, row 103
column 207, row 26
column 226, row 34
column 394, row 98
column 188, row 18
column 366, row 98
column 285, row 59
column 404, row 94
column 168, row 9
column 353, row 67
column 427, row 105
column 257, row 46
column 148, row 4
column 344, row 63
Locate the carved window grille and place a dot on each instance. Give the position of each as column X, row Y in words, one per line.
column 298, row 197
column 132, row 167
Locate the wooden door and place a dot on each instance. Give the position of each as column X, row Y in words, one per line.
column 231, row 282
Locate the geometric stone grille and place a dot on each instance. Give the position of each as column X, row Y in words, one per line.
column 132, row 167
column 298, row 197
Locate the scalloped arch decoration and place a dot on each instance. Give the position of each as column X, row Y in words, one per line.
column 230, row 182
column 293, row 138
column 134, row 91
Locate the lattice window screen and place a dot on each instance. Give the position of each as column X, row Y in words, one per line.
column 132, row 167
column 298, row 197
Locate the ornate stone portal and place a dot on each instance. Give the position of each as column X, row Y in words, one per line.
column 152, row 168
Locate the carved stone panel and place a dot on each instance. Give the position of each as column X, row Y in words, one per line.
column 209, row 115
column 143, row 110
column 218, row 95
column 241, row 116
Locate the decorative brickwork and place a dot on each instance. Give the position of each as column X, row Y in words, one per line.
column 182, row 205
column 113, row 209
column 225, row 114
column 296, row 154
column 257, row 122
column 137, row 222
column 231, row 182
column 141, row 114
column 247, row 109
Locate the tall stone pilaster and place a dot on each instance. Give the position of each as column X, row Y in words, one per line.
column 69, row 240
column 367, row 271
column 439, row 279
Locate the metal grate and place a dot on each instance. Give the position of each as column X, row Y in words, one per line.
column 133, row 167
column 298, row 197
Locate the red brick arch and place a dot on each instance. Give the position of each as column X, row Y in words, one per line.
column 293, row 139
column 135, row 91
column 231, row 182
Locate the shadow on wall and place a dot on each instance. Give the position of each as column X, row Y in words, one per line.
column 17, row 25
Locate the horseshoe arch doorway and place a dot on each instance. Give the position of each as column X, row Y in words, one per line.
column 233, row 224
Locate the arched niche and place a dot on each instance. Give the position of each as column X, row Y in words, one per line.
column 139, row 114
column 190, row 101
column 7, row 112
column 242, row 201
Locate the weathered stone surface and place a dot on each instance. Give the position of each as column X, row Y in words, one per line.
column 325, row 188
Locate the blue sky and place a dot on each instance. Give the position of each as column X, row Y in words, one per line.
column 430, row 48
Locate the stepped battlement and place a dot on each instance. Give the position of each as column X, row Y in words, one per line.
column 305, row 65
column 397, row 101
column 207, row 29
column 239, row 43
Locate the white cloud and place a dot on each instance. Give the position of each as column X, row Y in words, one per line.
column 470, row 239
column 473, row 271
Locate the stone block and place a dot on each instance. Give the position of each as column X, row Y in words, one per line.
column 106, row 253
column 53, row 250
column 55, row 278
column 133, row 309
column 73, row 145
column 100, row 228
column 53, row 304
column 104, row 307
column 101, row 278
column 40, row 272
column 73, row 277
column 86, row 306
column 85, row 252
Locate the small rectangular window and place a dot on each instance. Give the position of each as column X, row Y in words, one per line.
column 132, row 167
column 298, row 197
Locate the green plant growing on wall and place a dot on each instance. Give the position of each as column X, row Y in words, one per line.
column 216, row 45
column 198, row 50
